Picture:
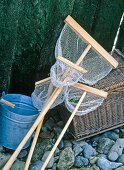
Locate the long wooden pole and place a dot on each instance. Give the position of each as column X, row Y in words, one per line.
column 57, row 91
column 63, row 131
column 27, row 164
column 49, row 93
column 33, row 145
column 117, row 34
column 84, row 87
column 8, row 165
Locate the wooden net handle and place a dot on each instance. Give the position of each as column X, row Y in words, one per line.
column 36, row 137
column 33, row 145
column 71, row 64
column 91, row 90
column 49, row 94
column 63, row 131
column 87, row 38
column 42, row 81
column 8, row 165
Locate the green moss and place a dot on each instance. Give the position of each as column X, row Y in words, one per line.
column 74, row 100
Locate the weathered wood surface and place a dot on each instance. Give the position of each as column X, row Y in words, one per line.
column 29, row 30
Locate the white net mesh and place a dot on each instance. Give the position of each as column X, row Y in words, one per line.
column 90, row 102
column 39, row 96
column 62, row 75
column 71, row 47
column 97, row 68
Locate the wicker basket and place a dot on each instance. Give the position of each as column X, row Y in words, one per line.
column 108, row 116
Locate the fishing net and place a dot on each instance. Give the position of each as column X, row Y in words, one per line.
column 40, row 96
column 63, row 75
column 71, row 47
column 90, row 102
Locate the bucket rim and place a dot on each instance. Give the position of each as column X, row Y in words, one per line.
column 34, row 110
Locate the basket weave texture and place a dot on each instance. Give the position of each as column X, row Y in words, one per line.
column 108, row 116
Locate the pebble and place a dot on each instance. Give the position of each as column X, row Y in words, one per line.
column 46, row 135
column 116, row 130
column 67, row 143
column 120, row 168
column 44, row 129
column 66, row 159
column 1, row 149
column 68, row 135
column 51, row 162
column 60, row 124
column 22, row 154
column 88, row 151
column 56, row 158
column 122, row 130
column 41, row 147
column 50, row 124
column 103, row 155
column 37, row 165
column 111, row 135
column 18, row 165
column 105, row 164
column 80, row 161
column 105, row 145
column 121, row 159
column 94, row 144
column 81, row 143
column 77, row 150
column 95, row 139
column 116, row 150
column 57, row 152
column 61, row 145
column 57, row 131
column 54, row 166
column 83, row 168
column 95, row 167
column 3, row 159
column 93, row 160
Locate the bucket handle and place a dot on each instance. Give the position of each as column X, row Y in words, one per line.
column 7, row 103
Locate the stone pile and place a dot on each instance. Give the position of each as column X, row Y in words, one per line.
column 102, row 152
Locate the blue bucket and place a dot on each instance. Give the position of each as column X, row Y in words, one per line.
column 15, row 122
